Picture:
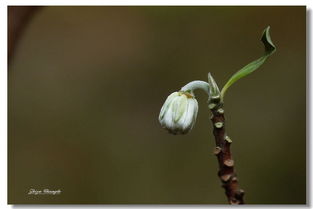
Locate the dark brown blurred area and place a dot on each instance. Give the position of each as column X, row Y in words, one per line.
column 18, row 17
column 87, row 83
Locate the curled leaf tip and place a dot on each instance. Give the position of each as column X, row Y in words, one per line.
column 269, row 49
column 267, row 41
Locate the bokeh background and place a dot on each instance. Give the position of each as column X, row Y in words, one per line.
column 86, row 85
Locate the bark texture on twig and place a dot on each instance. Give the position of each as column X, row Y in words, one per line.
column 226, row 163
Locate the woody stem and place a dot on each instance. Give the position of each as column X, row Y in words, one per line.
column 222, row 151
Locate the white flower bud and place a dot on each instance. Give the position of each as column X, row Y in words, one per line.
column 179, row 112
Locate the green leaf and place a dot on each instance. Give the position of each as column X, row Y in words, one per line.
column 246, row 70
column 213, row 88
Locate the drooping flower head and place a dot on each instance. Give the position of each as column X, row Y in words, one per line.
column 179, row 112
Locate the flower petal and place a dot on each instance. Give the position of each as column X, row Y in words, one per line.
column 179, row 107
column 167, row 102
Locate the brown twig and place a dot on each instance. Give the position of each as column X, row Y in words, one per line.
column 18, row 17
column 222, row 151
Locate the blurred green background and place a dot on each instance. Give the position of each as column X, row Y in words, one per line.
column 87, row 83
